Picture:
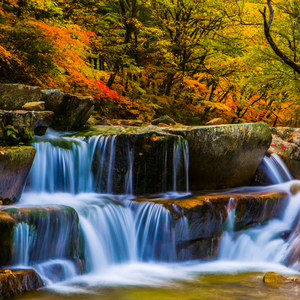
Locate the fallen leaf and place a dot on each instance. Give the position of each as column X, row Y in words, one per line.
column 283, row 147
column 282, row 129
column 140, row 153
column 273, row 144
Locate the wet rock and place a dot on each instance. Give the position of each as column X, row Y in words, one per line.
column 224, row 156
column 61, row 220
column 215, row 121
column 295, row 188
column 15, row 282
column 15, row 164
column 164, row 119
column 14, row 96
column 20, row 125
column 70, row 111
column 34, row 106
column 259, row 208
column 199, row 221
column 272, row 277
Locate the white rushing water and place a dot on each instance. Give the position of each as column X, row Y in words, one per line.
column 124, row 242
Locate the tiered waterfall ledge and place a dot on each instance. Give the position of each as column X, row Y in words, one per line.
column 199, row 221
column 217, row 156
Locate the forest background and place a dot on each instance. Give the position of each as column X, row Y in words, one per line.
column 191, row 59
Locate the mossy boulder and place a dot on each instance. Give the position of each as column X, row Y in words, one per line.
column 15, row 282
column 164, row 119
column 224, row 156
column 14, row 96
column 70, row 111
column 15, row 164
column 47, row 225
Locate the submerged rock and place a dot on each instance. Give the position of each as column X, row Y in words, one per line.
column 15, row 164
column 272, row 277
column 14, row 96
column 15, row 282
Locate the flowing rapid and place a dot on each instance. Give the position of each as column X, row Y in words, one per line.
column 122, row 241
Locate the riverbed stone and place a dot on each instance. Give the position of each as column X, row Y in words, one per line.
column 15, row 164
column 14, row 96
column 70, row 111
column 15, row 282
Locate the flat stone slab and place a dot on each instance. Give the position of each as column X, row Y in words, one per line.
column 15, row 282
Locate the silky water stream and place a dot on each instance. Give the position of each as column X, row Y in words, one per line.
column 126, row 249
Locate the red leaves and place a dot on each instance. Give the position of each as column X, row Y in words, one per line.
column 283, row 147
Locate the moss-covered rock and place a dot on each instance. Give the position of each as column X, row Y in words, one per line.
column 14, row 96
column 15, row 282
column 15, row 164
column 164, row 119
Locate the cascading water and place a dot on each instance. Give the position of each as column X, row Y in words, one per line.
column 113, row 230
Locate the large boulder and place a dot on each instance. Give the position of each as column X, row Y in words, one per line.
column 46, row 226
column 15, row 164
column 199, row 221
column 14, row 96
column 224, row 156
column 70, row 111
column 15, row 282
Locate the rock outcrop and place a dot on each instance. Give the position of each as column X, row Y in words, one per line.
column 15, row 164
column 15, row 282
